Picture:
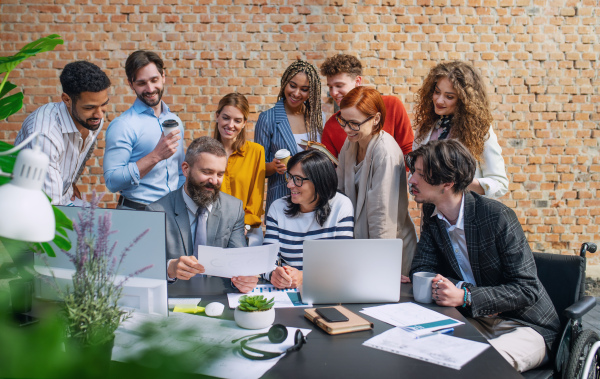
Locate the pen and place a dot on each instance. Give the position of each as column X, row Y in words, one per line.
column 443, row 331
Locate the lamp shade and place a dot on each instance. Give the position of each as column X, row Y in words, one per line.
column 25, row 212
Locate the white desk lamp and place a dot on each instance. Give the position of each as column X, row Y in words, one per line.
column 25, row 211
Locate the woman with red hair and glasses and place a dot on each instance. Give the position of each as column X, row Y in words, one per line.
column 372, row 173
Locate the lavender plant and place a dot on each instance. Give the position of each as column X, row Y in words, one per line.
column 91, row 306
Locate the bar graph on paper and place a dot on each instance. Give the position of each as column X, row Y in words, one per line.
column 284, row 298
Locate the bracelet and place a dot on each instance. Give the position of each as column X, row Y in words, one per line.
column 465, row 298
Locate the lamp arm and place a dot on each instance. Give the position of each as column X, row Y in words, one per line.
column 17, row 148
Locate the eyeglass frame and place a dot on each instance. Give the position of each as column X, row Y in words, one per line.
column 340, row 119
column 291, row 177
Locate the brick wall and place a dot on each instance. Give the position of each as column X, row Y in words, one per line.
column 541, row 59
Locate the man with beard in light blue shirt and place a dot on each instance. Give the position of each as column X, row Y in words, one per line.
column 139, row 161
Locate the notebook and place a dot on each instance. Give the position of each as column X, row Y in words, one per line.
column 355, row 323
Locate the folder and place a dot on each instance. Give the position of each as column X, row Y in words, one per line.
column 355, row 323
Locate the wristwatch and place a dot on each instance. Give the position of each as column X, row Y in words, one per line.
column 468, row 294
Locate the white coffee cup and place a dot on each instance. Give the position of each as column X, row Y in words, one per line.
column 168, row 126
column 422, row 282
column 283, row 155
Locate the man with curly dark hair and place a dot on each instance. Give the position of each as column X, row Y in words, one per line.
column 68, row 130
column 144, row 145
column 344, row 72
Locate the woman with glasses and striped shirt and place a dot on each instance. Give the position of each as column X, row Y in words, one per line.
column 313, row 210
column 372, row 173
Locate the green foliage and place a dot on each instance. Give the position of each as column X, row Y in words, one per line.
column 255, row 303
column 13, row 103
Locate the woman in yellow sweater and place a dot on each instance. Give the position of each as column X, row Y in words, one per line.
column 245, row 175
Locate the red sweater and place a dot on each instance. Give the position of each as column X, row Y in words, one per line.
column 397, row 124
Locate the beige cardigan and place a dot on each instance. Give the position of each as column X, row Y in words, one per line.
column 381, row 204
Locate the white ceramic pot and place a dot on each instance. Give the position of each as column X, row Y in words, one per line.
column 254, row 320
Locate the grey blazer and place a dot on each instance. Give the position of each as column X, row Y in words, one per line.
column 502, row 262
column 225, row 224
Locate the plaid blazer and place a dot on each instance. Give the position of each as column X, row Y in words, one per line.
column 501, row 260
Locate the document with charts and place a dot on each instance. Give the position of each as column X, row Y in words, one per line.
column 412, row 317
column 439, row 349
column 284, row 298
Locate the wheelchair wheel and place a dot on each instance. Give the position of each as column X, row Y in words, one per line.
column 578, row 355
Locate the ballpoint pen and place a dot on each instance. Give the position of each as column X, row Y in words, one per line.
column 443, row 331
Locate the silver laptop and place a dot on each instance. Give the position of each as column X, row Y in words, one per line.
column 352, row 271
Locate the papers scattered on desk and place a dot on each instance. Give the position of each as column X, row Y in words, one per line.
column 201, row 345
column 243, row 261
column 439, row 349
column 412, row 317
column 287, row 298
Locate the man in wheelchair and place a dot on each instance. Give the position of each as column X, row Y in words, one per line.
column 481, row 256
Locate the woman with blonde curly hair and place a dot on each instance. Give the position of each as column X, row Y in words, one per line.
column 295, row 117
column 453, row 103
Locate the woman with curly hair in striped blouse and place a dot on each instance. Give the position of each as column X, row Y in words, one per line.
column 296, row 116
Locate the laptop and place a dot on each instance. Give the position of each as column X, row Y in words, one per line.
column 351, row 271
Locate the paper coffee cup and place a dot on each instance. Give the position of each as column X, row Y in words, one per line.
column 168, row 126
column 283, row 155
column 422, row 286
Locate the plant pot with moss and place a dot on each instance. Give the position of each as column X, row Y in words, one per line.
column 255, row 312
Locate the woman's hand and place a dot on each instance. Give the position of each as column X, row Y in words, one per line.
column 445, row 293
column 286, row 277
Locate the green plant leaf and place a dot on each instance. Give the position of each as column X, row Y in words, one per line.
column 7, row 64
column 62, row 220
column 48, row 249
column 8, row 86
column 62, row 243
column 10, row 105
column 41, row 45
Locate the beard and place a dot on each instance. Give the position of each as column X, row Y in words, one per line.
column 200, row 195
column 83, row 122
column 151, row 103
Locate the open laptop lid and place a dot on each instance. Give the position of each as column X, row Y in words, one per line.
column 352, row 271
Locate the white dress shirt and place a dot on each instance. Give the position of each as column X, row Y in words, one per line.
column 456, row 233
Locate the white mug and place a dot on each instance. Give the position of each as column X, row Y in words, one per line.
column 422, row 282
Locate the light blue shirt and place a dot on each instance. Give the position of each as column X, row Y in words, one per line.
column 132, row 136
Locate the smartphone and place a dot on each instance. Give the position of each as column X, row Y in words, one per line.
column 331, row 314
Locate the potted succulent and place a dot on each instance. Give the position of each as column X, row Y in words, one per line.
column 255, row 312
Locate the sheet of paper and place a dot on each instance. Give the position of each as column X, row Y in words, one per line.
column 412, row 317
column 243, row 261
column 203, row 345
column 284, row 298
column 439, row 349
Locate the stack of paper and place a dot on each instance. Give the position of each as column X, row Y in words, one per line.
column 411, row 317
column 439, row 349
column 284, row 298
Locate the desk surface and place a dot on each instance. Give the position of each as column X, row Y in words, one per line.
column 343, row 355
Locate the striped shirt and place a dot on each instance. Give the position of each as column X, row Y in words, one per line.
column 291, row 232
column 64, row 145
column 273, row 132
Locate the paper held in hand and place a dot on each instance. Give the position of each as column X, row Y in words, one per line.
column 243, row 261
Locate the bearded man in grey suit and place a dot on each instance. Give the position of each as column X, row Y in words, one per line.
column 478, row 250
column 198, row 213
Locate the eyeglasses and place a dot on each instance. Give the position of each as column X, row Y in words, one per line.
column 352, row 125
column 298, row 180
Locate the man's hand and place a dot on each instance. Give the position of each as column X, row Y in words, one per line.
column 167, row 145
column 280, row 168
column 76, row 193
column 404, row 279
column 296, row 276
column 184, row 267
column 244, row 283
column 445, row 293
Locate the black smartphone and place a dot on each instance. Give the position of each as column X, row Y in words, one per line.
column 331, row 314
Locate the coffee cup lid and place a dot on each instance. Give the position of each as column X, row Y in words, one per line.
column 169, row 123
column 283, row 153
